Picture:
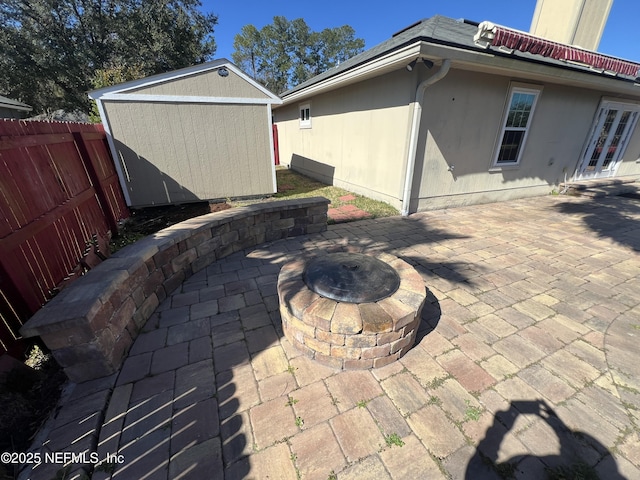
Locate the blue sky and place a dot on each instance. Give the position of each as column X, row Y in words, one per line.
column 376, row 20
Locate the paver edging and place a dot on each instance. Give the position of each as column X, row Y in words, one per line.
column 92, row 323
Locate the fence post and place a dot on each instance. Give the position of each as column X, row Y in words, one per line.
column 87, row 159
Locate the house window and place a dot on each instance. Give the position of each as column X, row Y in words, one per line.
column 305, row 116
column 516, row 124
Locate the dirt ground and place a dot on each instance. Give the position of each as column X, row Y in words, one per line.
column 28, row 394
column 145, row 221
column 151, row 219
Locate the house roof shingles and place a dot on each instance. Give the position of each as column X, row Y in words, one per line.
column 440, row 30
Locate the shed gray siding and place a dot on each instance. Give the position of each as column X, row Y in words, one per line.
column 10, row 108
column 181, row 152
column 206, row 84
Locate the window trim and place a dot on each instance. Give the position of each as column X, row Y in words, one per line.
column 302, row 108
column 515, row 88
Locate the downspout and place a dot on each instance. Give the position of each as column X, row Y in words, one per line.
column 415, row 131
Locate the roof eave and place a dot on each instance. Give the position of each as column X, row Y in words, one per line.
column 12, row 106
column 176, row 74
column 387, row 62
column 6, row 102
column 534, row 69
column 488, row 61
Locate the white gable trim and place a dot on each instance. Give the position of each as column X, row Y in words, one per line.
column 176, row 74
column 141, row 97
column 114, row 154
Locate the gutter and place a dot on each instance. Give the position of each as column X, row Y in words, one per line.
column 415, row 131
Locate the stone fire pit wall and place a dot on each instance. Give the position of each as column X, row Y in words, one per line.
column 350, row 335
column 92, row 323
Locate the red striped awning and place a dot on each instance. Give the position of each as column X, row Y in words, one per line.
column 515, row 40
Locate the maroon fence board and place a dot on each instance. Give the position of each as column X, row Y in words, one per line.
column 59, row 195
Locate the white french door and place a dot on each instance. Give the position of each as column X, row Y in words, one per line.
column 609, row 136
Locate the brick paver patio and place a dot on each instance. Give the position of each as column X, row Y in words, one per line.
column 525, row 359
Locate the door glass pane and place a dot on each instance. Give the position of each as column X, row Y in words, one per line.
column 602, row 139
column 615, row 142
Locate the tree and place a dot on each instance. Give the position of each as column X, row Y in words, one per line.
column 53, row 49
column 105, row 77
column 286, row 53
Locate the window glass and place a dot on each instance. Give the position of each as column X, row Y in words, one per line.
column 516, row 125
column 305, row 116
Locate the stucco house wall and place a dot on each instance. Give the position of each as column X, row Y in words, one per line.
column 357, row 137
column 463, row 120
column 361, row 121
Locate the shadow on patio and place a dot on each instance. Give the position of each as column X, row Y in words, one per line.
column 213, row 388
column 213, row 350
column 496, row 457
column 615, row 218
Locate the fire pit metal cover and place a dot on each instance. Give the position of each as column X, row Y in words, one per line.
column 361, row 332
column 351, row 277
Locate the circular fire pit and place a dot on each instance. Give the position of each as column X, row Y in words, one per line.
column 350, row 310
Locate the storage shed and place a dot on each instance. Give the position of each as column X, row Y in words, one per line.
column 198, row 133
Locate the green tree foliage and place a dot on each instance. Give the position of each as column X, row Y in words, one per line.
column 285, row 53
column 105, row 77
column 54, row 50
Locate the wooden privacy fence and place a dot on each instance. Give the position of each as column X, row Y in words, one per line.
column 59, row 201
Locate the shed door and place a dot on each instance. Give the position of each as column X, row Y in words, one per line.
column 610, row 133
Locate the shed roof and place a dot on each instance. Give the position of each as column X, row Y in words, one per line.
column 126, row 90
column 6, row 102
column 445, row 31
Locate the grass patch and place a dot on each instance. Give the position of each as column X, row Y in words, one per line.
column 393, row 439
column 292, row 185
column 505, row 470
column 437, row 382
column 472, row 413
column 145, row 221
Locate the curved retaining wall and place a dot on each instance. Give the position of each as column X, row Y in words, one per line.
column 91, row 324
